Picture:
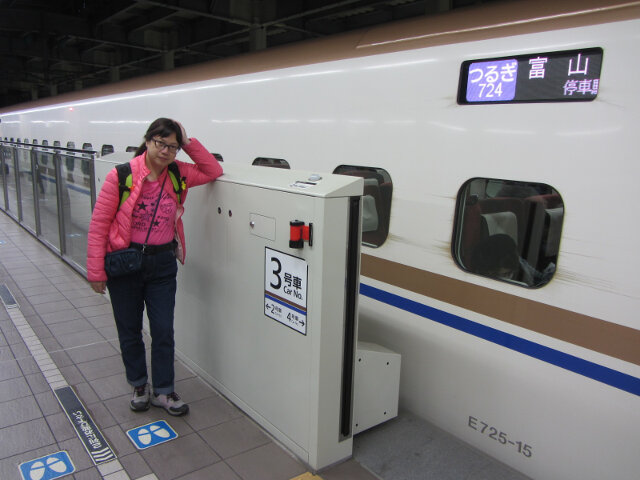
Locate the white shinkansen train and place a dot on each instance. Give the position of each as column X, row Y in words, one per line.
column 498, row 145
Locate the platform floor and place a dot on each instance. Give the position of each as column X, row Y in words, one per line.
column 59, row 317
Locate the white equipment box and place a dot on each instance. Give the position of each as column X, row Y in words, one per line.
column 377, row 383
column 270, row 326
column 266, row 309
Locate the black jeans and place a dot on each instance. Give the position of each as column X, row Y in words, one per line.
column 155, row 287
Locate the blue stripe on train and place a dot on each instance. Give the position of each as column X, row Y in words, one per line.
column 589, row 369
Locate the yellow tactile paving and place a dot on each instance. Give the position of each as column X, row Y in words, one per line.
column 307, row 476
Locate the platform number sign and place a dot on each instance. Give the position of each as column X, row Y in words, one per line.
column 285, row 289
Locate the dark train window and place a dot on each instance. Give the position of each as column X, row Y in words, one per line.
column 218, row 157
column 70, row 162
column 43, row 157
column 85, row 164
column 131, row 148
column 271, row 162
column 508, row 230
column 106, row 150
column 376, row 202
column 56, row 143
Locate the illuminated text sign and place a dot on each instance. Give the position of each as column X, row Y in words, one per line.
column 540, row 77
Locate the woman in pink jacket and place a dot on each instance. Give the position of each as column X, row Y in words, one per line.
column 150, row 216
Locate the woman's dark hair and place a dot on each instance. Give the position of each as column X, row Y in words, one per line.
column 162, row 127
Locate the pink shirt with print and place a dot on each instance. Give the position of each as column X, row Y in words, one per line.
column 163, row 229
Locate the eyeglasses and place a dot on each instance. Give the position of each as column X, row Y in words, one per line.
column 160, row 145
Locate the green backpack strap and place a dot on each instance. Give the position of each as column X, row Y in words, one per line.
column 125, row 181
column 177, row 181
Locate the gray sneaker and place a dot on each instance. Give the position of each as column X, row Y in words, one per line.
column 171, row 403
column 140, row 398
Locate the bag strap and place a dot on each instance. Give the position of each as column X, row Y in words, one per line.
column 154, row 213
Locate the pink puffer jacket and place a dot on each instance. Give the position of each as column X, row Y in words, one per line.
column 110, row 227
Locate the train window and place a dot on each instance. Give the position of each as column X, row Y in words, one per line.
column 508, row 230
column 376, row 202
column 70, row 162
column 106, row 150
column 131, row 148
column 87, row 146
column 271, row 162
column 45, row 143
column 56, row 143
column 218, row 157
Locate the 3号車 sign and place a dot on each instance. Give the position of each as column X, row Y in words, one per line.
column 285, row 289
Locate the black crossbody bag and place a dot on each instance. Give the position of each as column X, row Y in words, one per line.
column 129, row 260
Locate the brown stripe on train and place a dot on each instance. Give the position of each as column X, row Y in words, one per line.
column 589, row 332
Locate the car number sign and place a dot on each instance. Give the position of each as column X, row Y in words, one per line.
column 285, row 289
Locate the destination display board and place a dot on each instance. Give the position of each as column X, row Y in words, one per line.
column 566, row 76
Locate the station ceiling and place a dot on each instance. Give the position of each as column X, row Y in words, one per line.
column 49, row 47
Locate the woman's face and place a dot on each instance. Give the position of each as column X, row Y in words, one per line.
column 161, row 151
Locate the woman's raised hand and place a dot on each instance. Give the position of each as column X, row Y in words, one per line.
column 185, row 138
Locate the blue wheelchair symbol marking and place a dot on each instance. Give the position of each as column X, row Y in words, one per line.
column 52, row 466
column 151, row 434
